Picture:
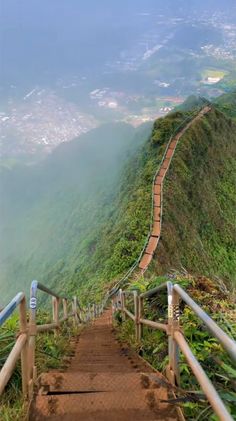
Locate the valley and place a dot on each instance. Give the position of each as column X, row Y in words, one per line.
column 148, row 73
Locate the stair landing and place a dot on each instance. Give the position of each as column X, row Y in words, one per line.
column 105, row 381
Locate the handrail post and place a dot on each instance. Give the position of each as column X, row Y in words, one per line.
column 89, row 312
column 65, row 312
column 32, row 371
column 173, row 326
column 123, row 305
column 140, row 316
column 76, row 320
column 136, row 313
column 55, row 310
column 80, row 315
column 112, row 308
column 24, row 352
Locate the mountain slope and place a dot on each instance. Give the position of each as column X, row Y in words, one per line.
column 49, row 210
column 199, row 201
column 80, row 220
column 198, row 231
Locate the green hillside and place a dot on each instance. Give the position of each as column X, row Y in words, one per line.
column 79, row 220
column 49, row 211
column 199, row 203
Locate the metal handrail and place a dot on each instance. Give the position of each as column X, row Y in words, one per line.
column 19, row 349
column 153, row 291
column 176, row 339
column 227, row 343
column 26, row 340
column 10, row 307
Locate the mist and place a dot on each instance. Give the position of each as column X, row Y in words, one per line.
column 80, row 86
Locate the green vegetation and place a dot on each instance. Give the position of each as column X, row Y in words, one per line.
column 79, row 220
column 52, row 212
column 52, row 351
column 227, row 104
column 199, row 202
column 214, row 298
column 199, row 205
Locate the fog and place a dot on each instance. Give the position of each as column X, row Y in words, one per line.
column 78, row 80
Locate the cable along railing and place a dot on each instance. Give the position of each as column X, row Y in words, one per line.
column 176, row 339
column 25, row 343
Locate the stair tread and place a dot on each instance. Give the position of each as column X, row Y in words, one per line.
column 81, row 403
column 99, row 381
column 105, row 380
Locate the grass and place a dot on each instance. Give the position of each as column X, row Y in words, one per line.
column 52, row 349
column 216, row 301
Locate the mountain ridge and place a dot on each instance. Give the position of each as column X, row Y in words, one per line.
column 92, row 242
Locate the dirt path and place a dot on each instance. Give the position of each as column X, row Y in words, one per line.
column 105, row 381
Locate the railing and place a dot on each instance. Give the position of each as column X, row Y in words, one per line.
column 19, row 350
column 176, row 339
column 185, row 123
column 24, row 347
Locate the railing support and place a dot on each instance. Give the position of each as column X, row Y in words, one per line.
column 24, row 352
column 173, row 326
column 32, row 372
column 55, row 310
column 76, row 319
column 112, row 308
column 123, row 306
column 64, row 303
column 140, row 316
column 136, row 313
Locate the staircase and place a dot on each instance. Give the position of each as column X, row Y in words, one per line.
column 105, row 381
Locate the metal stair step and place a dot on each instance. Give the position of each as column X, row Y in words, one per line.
column 96, row 382
column 83, row 404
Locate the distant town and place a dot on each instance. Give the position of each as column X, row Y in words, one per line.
column 43, row 118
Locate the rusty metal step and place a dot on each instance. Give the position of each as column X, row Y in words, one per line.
column 159, row 179
column 157, row 189
column 157, row 200
column 173, row 144
column 165, row 164
column 169, row 153
column 152, row 245
column 156, row 229
column 84, row 405
column 109, row 368
column 162, row 172
column 145, row 261
column 157, row 213
column 87, row 382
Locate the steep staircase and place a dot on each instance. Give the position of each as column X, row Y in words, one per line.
column 105, row 381
column 155, row 233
